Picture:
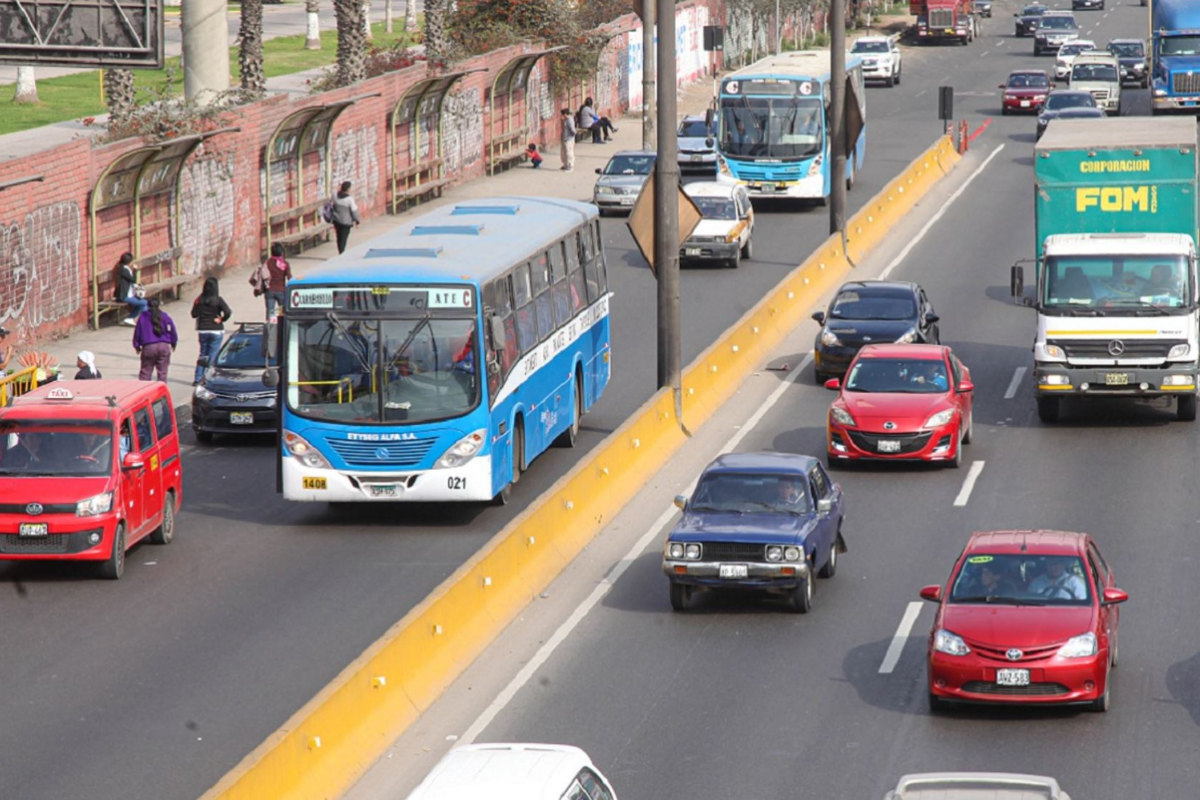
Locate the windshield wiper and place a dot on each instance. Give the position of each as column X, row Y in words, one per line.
column 717, row 510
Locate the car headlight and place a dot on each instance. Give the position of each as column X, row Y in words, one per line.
column 1080, row 646
column 774, row 553
column 1038, row 98
column 304, row 452
column 692, row 552
column 675, row 550
column 462, row 451
column 792, row 554
column 605, row 190
column 841, row 416
column 100, row 504
column 940, row 418
column 1179, row 350
column 909, row 337
column 830, row 339
column 203, row 393
column 952, row 645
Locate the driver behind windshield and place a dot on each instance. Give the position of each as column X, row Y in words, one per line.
column 1059, row 583
column 931, row 373
column 789, row 494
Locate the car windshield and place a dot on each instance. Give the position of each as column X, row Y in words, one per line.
column 1057, row 101
column 870, row 47
column 1116, row 284
column 716, row 207
column 1094, row 72
column 1028, row 81
column 1056, row 23
column 1033, row 11
column 695, row 128
column 751, row 493
column 898, row 376
column 1075, row 48
column 1022, row 579
column 630, row 165
column 777, row 127
column 1180, row 45
column 392, row 371
column 1127, row 50
column 856, row 304
column 243, row 351
column 56, row 448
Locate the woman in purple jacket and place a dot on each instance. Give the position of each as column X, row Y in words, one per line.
column 154, row 338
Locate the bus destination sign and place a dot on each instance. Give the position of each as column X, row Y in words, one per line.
column 769, row 86
column 392, row 299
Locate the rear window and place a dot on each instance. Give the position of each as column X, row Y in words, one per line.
column 55, row 448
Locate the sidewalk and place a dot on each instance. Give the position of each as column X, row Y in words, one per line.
column 113, row 344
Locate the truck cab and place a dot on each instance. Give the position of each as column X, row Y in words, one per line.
column 1100, row 74
column 944, row 20
column 1175, row 55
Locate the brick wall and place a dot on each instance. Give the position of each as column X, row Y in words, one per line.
column 46, row 235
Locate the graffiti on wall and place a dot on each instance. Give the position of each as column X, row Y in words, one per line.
column 40, row 266
column 207, row 214
column 356, row 159
column 462, row 126
column 539, row 105
column 281, row 179
column 608, row 78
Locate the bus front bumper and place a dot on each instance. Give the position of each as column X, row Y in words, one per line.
column 811, row 187
column 472, row 482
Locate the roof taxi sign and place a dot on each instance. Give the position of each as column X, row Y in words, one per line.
column 60, row 393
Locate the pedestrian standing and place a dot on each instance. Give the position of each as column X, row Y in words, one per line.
column 279, row 272
column 344, row 216
column 6, row 352
column 127, row 289
column 568, row 141
column 86, row 361
column 154, row 339
column 210, row 312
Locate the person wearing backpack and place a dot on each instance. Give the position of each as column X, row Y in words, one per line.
column 343, row 215
column 272, row 278
column 210, row 312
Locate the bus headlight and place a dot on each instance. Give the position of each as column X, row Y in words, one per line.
column 304, row 452
column 814, row 169
column 723, row 167
column 462, row 451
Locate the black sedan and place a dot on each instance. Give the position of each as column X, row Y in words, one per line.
column 1027, row 19
column 870, row 312
column 233, row 396
column 1067, row 104
column 1131, row 53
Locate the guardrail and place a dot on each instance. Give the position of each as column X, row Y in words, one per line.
column 16, row 384
column 337, row 735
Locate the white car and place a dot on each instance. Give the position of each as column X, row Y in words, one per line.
column 725, row 235
column 514, row 772
column 881, row 58
column 1066, row 57
column 993, row 785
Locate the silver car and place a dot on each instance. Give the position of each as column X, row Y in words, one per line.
column 697, row 144
column 971, row 785
column 621, row 180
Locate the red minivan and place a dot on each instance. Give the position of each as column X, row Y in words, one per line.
column 87, row 470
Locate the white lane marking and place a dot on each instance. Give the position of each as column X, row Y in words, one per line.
column 941, row 211
column 918, row 94
column 546, row 650
column 972, row 475
column 985, row 52
column 1015, row 383
column 892, row 656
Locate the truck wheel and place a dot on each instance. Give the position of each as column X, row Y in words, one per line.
column 1185, row 408
column 1048, row 409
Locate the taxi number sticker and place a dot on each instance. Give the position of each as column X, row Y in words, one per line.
column 979, row 559
column 153, row 463
column 314, row 483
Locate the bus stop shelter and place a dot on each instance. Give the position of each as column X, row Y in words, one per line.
column 505, row 146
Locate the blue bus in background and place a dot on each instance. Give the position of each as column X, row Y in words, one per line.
column 434, row 363
column 774, row 121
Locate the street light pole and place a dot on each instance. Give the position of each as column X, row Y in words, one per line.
column 778, row 30
column 648, row 16
column 837, row 121
column 666, row 208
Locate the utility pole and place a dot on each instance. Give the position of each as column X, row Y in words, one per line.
column 778, row 30
column 666, row 208
column 205, row 50
column 837, row 121
column 648, row 112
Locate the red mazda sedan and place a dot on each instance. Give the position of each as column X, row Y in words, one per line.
column 1026, row 617
column 901, row 402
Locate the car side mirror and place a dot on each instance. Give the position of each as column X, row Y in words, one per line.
column 965, row 386
column 819, row 316
column 132, row 461
column 1002, row 86
column 599, row 171
column 825, row 505
column 681, row 502
column 496, row 330
column 833, row 383
column 1114, row 596
column 202, row 361
column 931, row 318
column 932, row 593
column 1016, row 281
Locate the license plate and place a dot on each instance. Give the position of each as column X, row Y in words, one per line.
column 735, row 571
column 241, row 417
column 692, row 251
column 1024, row 104
column 382, row 490
column 888, row 446
column 768, row 187
column 33, row 529
column 1012, row 677
column 1116, row 379
column 697, row 158
column 628, row 201
column 313, row 483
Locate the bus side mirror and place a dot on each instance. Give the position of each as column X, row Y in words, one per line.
column 709, row 116
column 1016, row 282
column 270, row 340
column 496, row 329
column 270, row 377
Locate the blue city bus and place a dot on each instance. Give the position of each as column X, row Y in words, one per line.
column 774, row 121
column 435, row 362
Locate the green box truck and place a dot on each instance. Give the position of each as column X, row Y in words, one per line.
column 1116, row 291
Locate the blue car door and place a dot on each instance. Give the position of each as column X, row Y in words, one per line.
column 827, row 524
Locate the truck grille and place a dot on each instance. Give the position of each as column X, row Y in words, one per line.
column 909, row 442
column 941, row 18
column 1182, row 83
column 1099, row 348
column 733, row 551
column 1100, row 94
column 382, row 454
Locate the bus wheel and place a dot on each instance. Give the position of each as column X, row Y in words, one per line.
column 518, row 451
column 504, row 497
column 567, row 438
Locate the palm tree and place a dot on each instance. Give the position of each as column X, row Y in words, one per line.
column 352, row 44
column 250, row 48
column 435, row 31
column 312, row 36
column 26, row 93
column 119, row 94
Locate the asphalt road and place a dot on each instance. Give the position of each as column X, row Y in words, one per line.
column 739, row 698
column 156, row 686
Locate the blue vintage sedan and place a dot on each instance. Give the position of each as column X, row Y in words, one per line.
column 769, row 521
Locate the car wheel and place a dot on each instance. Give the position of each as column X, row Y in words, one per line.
column 1114, row 650
column 956, row 462
column 898, row 76
column 802, row 596
column 166, row 531
column 680, row 596
column 113, row 567
column 837, row 464
column 1101, row 704
column 1004, row 111
column 1185, row 407
column 1048, row 409
column 748, row 248
column 819, row 378
column 830, row 568
column 736, row 261
column 937, row 704
column 203, row 437
column 889, row 81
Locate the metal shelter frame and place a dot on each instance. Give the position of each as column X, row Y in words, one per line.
column 419, row 101
column 298, row 134
column 137, row 175
column 512, row 76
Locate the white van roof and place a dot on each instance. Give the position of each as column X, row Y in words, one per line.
column 503, row 772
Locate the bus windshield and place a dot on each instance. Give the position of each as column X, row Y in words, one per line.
column 392, row 371
column 772, row 127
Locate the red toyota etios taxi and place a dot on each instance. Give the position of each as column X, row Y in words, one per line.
column 1026, row 617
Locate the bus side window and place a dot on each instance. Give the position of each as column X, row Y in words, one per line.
column 601, row 266
column 575, row 275
column 588, row 256
column 504, row 305
column 523, row 300
column 561, row 289
column 543, row 301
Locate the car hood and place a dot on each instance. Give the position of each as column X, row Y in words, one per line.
column 907, row 411
column 765, row 528
column 227, row 381
column 1071, row 113
column 714, row 227
column 57, row 490
column 1017, row 626
column 695, row 143
column 856, row 332
column 1026, row 92
column 629, row 181
column 1132, row 61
